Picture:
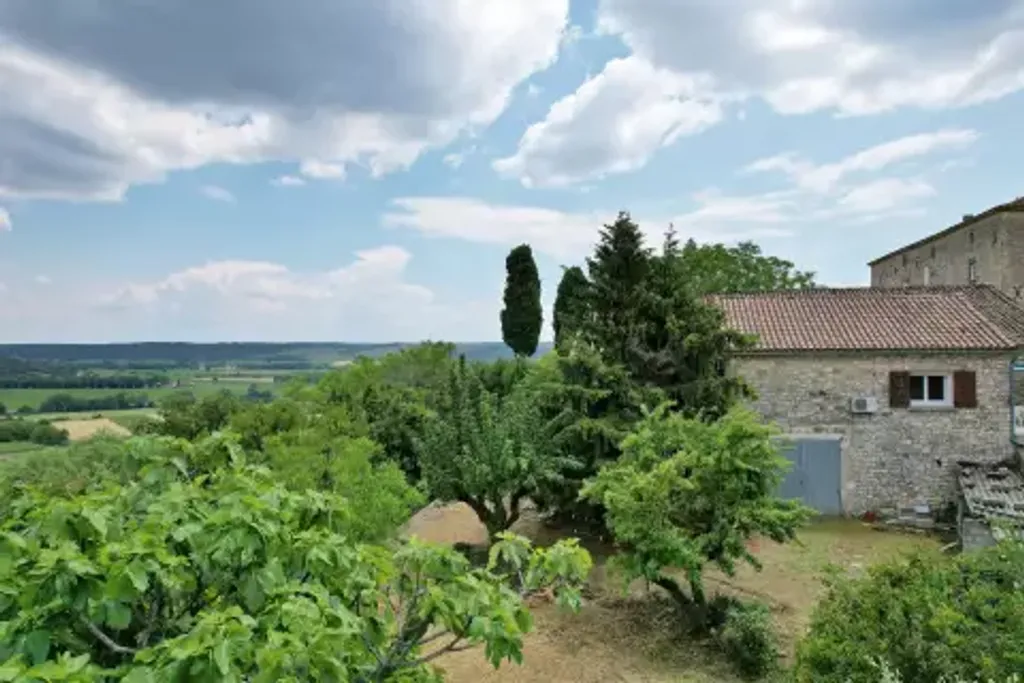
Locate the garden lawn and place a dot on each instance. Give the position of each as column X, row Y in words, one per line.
column 634, row 636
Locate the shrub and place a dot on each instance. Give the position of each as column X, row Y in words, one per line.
column 928, row 617
column 748, row 639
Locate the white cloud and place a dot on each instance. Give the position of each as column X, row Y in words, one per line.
column 569, row 236
column 288, row 181
column 42, row 279
column 885, row 194
column 368, row 298
column 850, row 57
column 824, row 177
column 5, row 220
column 218, row 194
column 847, row 55
column 98, row 100
column 612, row 124
column 312, row 168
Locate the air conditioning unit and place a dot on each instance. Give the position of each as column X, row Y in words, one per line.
column 863, row 405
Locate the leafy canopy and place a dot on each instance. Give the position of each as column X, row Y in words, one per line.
column 488, row 454
column 228, row 575
column 687, row 493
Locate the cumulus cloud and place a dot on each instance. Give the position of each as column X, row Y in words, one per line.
column 218, row 194
column 5, row 220
column 612, row 124
column 849, row 57
column 102, row 95
column 569, row 236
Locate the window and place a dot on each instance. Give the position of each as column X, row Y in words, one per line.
column 927, row 275
column 972, row 271
column 970, row 237
column 933, row 252
column 931, row 391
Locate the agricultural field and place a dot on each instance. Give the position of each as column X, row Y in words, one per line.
column 10, row 449
column 634, row 635
column 15, row 399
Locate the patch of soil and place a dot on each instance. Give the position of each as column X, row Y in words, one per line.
column 79, row 430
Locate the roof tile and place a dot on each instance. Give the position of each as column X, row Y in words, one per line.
column 867, row 318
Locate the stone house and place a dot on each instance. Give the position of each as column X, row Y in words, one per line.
column 881, row 390
column 987, row 248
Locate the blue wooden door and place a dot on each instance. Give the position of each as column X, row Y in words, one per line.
column 815, row 476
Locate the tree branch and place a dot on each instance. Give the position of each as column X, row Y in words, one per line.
column 105, row 639
column 452, row 646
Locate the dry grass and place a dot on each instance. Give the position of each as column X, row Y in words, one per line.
column 79, row 430
column 633, row 636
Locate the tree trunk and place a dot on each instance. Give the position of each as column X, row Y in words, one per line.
column 671, row 587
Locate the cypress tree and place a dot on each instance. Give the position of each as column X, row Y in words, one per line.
column 522, row 317
column 570, row 304
column 617, row 272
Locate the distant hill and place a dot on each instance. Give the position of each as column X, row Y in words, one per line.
column 289, row 355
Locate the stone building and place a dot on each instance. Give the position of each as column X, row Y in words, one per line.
column 882, row 391
column 987, row 248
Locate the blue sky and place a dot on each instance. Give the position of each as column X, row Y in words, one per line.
column 333, row 170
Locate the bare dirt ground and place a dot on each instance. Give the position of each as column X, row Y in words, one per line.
column 633, row 636
column 79, row 430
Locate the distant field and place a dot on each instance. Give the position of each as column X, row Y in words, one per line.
column 16, row 398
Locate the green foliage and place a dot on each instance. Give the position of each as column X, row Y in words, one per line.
column 748, row 640
column 225, row 574
column 681, row 343
column 687, row 493
column 570, row 311
column 522, row 316
column 718, row 269
column 185, row 417
column 38, row 432
column 595, row 405
column 927, row 617
column 489, row 456
column 617, row 275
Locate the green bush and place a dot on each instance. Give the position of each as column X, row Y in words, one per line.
column 927, row 617
column 748, row 639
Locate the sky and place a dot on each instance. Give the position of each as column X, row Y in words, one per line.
column 357, row 170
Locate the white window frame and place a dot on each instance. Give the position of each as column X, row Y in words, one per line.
column 947, row 390
column 927, row 275
column 972, row 271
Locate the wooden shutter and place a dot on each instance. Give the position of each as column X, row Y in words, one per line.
column 899, row 389
column 965, row 389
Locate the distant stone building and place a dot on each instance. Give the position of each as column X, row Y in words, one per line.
column 986, row 249
column 881, row 390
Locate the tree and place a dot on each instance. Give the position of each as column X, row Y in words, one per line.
column 924, row 618
column 617, row 273
column 522, row 316
column 3, row 409
column 487, row 456
column 718, row 269
column 570, row 309
column 231, row 576
column 681, row 343
column 595, row 405
column 687, row 493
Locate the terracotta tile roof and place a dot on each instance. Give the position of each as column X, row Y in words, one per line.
column 1013, row 206
column 909, row 318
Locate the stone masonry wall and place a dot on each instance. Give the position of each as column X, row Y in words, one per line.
column 893, row 458
column 995, row 243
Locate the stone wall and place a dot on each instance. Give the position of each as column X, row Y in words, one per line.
column 894, row 458
column 996, row 243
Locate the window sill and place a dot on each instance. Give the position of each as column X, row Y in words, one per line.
column 932, row 408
